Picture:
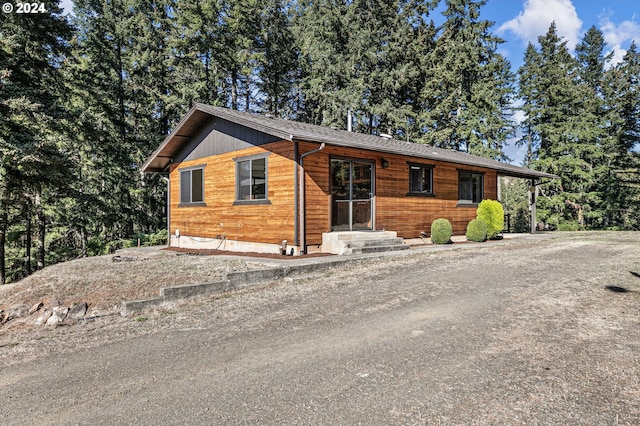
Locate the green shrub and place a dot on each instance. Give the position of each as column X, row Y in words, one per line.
column 492, row 213
column 441, row 231
column 568, row 226
column 477, row 230
column 157, row 239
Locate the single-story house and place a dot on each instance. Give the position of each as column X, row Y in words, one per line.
column 248, row 182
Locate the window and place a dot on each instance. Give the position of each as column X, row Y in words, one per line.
column 420, row 179
column 251, row 178
column 470, row 187
column 192, row 185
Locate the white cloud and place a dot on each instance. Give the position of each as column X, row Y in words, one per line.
column 534, row 20
column 615, row 35
column 67, row 7
column 519, row 116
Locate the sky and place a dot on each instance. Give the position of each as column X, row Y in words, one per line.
column 519, row 22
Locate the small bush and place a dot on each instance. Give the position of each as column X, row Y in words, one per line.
column 569, row 226
column 157, row 239
column 477, row 230
column 441, row 231
column 492, row 213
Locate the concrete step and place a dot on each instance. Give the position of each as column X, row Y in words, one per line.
column 363, row 235
column 348, row 242
column 378, row 249
column 374, row 243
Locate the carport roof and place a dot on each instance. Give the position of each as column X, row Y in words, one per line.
column 303, row 132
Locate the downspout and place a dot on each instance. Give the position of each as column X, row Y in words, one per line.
column 168, row 209
column 303, row 236
column 296, row 218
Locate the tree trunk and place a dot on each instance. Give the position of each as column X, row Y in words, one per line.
column 123, row 112
column 40, row 229
column 234, row 89
column 248, row 96
column 27, row 262
column 3, row 229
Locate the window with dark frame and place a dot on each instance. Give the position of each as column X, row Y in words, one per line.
column 192, row 185
column 251, row 179
column 420, row 179
column 470, row 187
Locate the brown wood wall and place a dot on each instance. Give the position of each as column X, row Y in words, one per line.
column 270, row 223
column 394, row 209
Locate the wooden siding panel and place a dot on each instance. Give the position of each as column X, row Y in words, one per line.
column 266, row 223
column 394, row 210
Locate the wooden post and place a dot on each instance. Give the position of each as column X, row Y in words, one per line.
column 533, row 189
column 41, row 229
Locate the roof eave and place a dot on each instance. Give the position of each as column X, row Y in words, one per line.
column 148, row 167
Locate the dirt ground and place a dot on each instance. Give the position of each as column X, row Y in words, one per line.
column 531, row 332
column 103, row 282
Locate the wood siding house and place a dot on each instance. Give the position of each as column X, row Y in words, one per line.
column 246, row 182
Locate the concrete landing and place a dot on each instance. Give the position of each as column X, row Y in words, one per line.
column 360, row 242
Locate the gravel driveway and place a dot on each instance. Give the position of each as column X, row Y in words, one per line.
column 533, row 332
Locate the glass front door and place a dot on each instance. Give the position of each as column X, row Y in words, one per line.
column 351, row 195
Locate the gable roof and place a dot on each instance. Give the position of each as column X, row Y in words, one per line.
column 303, row 132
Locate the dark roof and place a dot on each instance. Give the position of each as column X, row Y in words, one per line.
column 295, row 131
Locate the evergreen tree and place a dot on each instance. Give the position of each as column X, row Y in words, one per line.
column 364, row 57
column 621, row 190
column 34, row 162
column 323, row 35
column 468, row 87
column 277, row 59
column 528, row 73
column 591, row 131
column 561, row 137
column 240, row 27
column 197, row 42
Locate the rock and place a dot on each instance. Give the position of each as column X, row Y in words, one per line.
column 53, row 320
column 115, row 259
column 78, row 311
column 61, row 312
column 16, row 311
column 35, row 308
column 57, row 316
column 42, row 319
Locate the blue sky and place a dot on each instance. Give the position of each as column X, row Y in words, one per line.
column 522, row 21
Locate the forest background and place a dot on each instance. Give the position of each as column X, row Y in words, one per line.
column 85, row 98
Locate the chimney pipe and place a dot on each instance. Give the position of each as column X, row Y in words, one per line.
column 349, row 121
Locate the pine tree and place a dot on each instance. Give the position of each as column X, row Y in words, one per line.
column 240, row 25
column 364, row 57
column 322, row 34
column 621, row 191
column 277, row 58
column 469, row 86
column 562, row 137
column 121, row 107
column 197, row 41
column 591, row 132
column 528, row 73
column 35, row 162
